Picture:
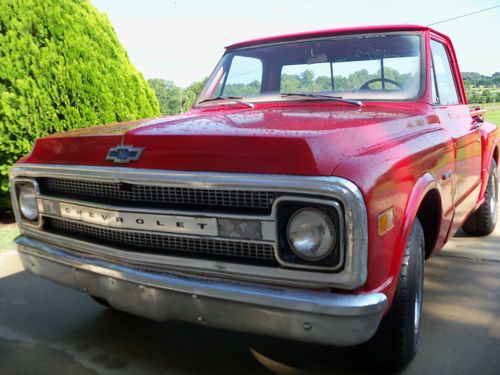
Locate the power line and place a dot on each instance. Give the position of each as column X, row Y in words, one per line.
column 464, row 15
column 444, row 10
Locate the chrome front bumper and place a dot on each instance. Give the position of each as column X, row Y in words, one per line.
column 312, row 316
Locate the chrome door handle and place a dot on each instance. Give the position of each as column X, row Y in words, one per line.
column 476, row 125
column 446, row 176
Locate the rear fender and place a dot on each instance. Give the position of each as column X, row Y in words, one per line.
column 489, row 144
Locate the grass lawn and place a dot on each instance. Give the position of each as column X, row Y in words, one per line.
column 492, row 113
column 7, row 234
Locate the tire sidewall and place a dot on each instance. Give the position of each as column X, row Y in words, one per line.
column 398, row 337
column 410, row 290
column 482, row 222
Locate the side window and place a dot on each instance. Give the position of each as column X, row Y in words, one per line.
column 243, row 79
column 445, row 83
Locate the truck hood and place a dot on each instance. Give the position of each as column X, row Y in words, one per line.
column 289, row 140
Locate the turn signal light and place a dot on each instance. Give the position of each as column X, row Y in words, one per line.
column 385, row 221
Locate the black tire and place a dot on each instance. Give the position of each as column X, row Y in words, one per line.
column 101, row 301
column 397, row 339
column 483, row 221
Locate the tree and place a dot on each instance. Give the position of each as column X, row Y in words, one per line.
column 61, row 67
column 476, row 79
column 191, row 93
column 167, row 94
column 290, row 83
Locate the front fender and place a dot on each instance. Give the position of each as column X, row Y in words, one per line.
column 423, row 185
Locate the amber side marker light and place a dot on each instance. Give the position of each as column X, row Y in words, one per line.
column 385, row 221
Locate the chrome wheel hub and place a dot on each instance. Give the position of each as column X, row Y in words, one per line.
column 418, row 308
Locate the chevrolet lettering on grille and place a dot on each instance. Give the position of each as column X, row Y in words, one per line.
column 130, row 220
column 124, row 154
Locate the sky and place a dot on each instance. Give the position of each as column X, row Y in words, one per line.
column 182, row 40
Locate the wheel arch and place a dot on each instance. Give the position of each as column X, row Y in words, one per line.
column 430, row 215
column 424, row 199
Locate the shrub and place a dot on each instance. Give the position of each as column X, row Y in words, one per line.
column 61, row 67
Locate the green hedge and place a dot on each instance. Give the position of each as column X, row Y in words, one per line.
column 61, row 67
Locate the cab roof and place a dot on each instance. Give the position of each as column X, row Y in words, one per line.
column 331, row 32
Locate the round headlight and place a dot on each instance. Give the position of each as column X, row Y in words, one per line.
column 27, row 202
column 311, row 234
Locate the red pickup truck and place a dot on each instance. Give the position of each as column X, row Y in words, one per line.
column 298, row 197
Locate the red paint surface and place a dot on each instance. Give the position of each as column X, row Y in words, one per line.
column 394, row 152
column 306, row 138
column 332, row 32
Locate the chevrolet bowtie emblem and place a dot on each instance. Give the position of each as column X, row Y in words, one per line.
column 124, row 154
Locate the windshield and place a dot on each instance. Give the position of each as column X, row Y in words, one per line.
column 363, row 67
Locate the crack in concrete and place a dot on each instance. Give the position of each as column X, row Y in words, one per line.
column 468, row 258
column 22, row 352
column 94, row 361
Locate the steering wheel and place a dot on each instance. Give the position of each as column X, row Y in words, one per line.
column 365, row 85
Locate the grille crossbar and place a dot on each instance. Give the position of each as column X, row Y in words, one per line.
column 164, row 244
column 136, row 193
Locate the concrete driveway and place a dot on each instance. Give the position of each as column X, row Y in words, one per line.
column 46, row 328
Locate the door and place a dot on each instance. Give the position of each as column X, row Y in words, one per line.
column 455, row 116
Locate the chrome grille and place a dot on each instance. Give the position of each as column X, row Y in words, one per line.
column 159, row 194
column 165, row 244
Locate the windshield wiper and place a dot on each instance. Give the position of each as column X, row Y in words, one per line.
column 359, row 103
column 236, row 99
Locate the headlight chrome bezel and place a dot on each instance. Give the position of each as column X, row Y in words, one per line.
column 286, row 207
